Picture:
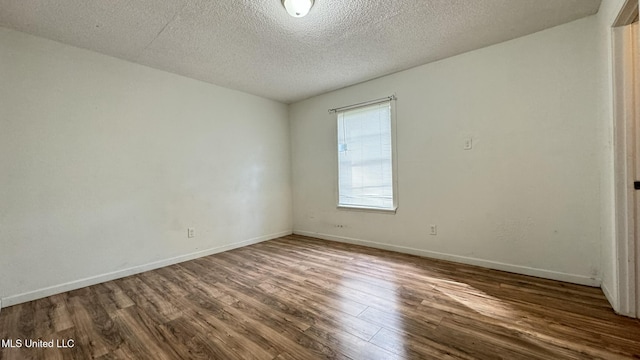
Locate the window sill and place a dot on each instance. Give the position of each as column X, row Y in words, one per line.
column 367, row 209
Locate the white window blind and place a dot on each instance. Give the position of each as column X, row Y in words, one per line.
column 365, row 157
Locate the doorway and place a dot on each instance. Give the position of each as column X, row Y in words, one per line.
column 635, row 55
column 626, row 76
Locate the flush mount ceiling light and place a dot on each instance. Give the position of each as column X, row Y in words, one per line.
column 297, row 8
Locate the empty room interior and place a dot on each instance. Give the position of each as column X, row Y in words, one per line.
column 311, row 179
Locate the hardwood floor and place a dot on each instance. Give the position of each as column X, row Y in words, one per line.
column 303, row 298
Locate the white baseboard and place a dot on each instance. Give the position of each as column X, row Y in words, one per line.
column 77, row 284
column 524, row 270
column 613, row 300
column 618, row 304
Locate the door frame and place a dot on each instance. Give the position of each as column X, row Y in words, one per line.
column 625, row 112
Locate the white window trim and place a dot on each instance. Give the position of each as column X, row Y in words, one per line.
column 394, row 162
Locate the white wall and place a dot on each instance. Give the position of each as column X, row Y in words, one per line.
column 527, row 197
column 104, row 164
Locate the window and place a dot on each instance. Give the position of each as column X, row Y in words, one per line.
column 365, row 157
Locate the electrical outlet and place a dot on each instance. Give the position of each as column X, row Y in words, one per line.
column 468, row 143
column 433, row 229
column 340, row 226
column 191, row 232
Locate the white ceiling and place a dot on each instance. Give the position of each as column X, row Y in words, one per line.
column 256, row 47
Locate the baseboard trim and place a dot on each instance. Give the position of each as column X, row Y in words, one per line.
column 77, row 284
column 518, row 269
column 613, row 301
column 617, row 305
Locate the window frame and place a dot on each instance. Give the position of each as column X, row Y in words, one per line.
column 394, row 158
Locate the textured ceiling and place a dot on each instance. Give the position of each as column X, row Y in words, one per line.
column 256, row 47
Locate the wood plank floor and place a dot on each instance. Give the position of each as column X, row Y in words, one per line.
column 303, row 298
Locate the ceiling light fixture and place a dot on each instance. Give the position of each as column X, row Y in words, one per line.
column 297, row 8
